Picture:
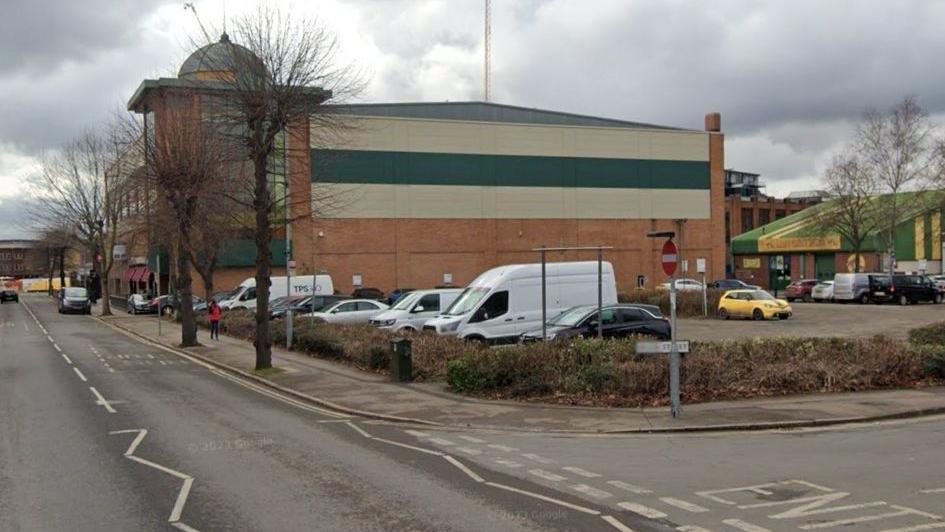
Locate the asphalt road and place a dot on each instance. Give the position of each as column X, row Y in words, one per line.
column 100, row 431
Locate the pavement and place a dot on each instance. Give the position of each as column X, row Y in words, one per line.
column 345, row 389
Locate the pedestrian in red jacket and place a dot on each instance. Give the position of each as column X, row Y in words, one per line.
column 214, row 320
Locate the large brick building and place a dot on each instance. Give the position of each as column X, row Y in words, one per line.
column 18, row 259
column 425, row 194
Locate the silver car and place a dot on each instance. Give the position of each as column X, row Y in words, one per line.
column 822, row 291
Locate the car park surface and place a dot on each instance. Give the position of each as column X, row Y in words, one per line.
column 818, row 320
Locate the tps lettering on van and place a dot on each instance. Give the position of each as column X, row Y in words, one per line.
column 305, row 289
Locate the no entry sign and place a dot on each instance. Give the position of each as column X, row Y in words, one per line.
column 670, row 258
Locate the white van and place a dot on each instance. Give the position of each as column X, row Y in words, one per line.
column 849, row 287
column 244, row 295
column 414, row 309
column 505, row 302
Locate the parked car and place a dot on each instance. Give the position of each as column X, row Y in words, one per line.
column 914, row 289
column 504, row 302
column 368, row 293
column 800, row 290
column 732, row 284
column 850, row 287
column 279, row 307
column 220, row 297
column 398, row 293
column 415, row 308
column 682, row 284
column 754, row 304
column 74, row 299
column 139, row 304
column 8, row 294
column 317, row 303
column 619, row 321
column 167, row 304
column 822, row 291
column 880, row 288
column 352, row 311
column 939, row 281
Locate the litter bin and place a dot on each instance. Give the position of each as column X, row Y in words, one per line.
column 401, row 363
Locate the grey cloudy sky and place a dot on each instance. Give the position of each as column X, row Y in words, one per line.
column 790, row 78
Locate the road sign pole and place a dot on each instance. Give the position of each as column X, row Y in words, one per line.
column 600, row 296
column 673, row 354
column 544, row 303
column 705, row 299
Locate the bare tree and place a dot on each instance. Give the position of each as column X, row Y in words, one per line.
column 854, row 212
column 82, row 187
column 184, row 163
column 284, row 71
column 898, row 148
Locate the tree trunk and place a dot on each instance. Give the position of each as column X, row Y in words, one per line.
column 263, row 238
column 185, row 301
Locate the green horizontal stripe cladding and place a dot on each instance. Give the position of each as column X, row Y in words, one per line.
column 411, row 168
column 242, row 252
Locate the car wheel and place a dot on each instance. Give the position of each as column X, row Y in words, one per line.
column 476, row 339
column 864, row 299
column 808, row 298
column 167, row 311
column 757, row 315
column 789, row 299
column 938, row 299
column 723, row 314
column 903, row 300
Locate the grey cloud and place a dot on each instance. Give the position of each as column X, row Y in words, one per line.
column 37, row 36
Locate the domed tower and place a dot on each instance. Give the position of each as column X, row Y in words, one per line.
column 219, row 61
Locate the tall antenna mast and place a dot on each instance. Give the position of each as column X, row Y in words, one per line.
column 487, row 66
column 190, row 6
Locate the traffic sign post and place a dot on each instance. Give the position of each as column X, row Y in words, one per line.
column 669, row 259
column 700, row 267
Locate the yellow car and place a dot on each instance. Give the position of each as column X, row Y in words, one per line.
column 754, row 304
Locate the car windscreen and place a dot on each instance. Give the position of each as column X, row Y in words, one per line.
column 570, row 317
column 407, row 301
column 76, row 292
column 762, row 296
column 467, row 301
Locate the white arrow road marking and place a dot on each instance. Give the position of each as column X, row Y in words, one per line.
column 188, row 480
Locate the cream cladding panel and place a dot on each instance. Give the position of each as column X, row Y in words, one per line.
column 455, row 136
column 438, row 201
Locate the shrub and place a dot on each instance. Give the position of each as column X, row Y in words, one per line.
column 933, row 362
column 929, row 334
column 688, row 302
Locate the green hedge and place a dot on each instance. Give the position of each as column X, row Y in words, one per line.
column 688, row 302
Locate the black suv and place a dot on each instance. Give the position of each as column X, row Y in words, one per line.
column 907, row 289
column 880, row 289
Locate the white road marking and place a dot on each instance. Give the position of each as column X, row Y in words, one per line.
column 174, row 518
column 616, row 524
column 645, row 511
column 79, row 373
column 358, row 429
column 744, row 525
column 441, row 441
column 417, row 433
column 469, row 451
column 629, row 487
column 181, row 500
column 581, row 472
column 406, row 446
column 110, row 370
column 56, row 347
column 503, row 448
column 50, row 338
column 463, row 468
column 26, row 326
column 544, row 498
column 933, row 490
column 162, row 363
column 547, row 475
column 900, row 510
column 66, row 357
column 508, row 463
column 471, row 439
column 149, row 355
column 927, row 526
column 683, row 505
column 539, row 459
column 692, row 528
column 592, row 491
column 333, row 421
column 101, row 401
